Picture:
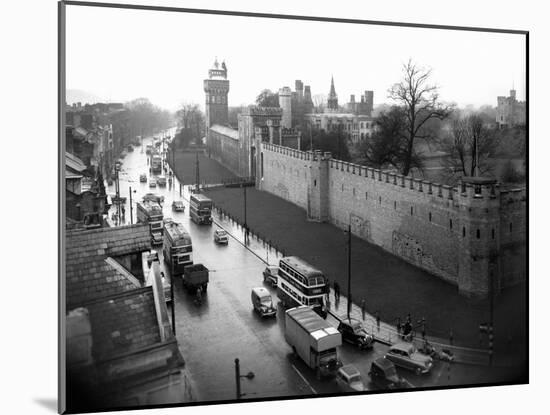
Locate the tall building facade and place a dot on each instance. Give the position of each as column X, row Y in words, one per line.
column 216, row 88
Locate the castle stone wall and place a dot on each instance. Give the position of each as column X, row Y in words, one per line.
column 461, row 235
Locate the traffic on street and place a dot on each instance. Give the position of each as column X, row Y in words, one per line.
column 236, row 310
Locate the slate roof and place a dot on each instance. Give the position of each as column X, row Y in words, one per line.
column 88, row 276
column 123, row 323
column 227, row 131
column 74, row 163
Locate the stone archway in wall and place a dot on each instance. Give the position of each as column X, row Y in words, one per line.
column 253, row 162
column 360, row 227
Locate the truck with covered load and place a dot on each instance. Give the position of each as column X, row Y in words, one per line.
column 313, row 339
column 195, row 276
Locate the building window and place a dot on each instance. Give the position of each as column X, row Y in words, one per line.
column 379, row 200
column 315, row 182
column 411, row 210
column 478, row 234
column 366, row 195
column 342, row 187
column 463, row 232
column 354, row 191
column 262, row 165
column 510, row 227
column 450, row 224
column 430, row 216
column 394, row 205
column 492, row 234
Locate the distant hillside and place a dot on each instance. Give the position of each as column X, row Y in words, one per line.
column 85, row 97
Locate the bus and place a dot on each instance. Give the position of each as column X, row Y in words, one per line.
column 177, row 248
column 156, row 163
column 151, row 213
column 200, row 209
column 302, row 284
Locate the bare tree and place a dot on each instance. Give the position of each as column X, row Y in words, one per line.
column 190, row 117
column 467, row 133
column 420, row 100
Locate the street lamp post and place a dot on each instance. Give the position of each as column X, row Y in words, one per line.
column 238, row 376
column 349, row 271
column 131, row 215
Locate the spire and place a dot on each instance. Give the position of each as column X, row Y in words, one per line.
column 216, row 64
column 332, row 90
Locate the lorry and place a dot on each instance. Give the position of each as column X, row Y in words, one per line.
column 195, row 276
column 177, row 249
column 313, row 339
column 150, row 212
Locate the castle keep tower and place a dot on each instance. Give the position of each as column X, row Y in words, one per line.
column 216, row 88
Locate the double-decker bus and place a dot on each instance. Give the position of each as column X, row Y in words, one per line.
column 156, row 163
column 302, row 284
column 200, row 209
column 151, row 213
column 177, row 248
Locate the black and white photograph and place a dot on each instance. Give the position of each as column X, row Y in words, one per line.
column 264, row 207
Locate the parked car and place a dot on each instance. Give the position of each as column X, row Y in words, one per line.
column 271, row 273
column 152, row 182
column 156, row 238
column 167, row 220
column 353, row 332
column 406, row 356
column 178, row 206
column 262, row 302
column 349, row 379
column 220, row 236
column 161, row 181
column 383, row 375
column 155, row 198
column 143, row 178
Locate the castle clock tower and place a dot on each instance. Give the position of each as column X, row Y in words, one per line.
column 216, row 88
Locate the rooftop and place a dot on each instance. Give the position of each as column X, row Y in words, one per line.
column 227, row 131
column 88, row 275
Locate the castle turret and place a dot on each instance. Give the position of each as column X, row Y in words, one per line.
column 317, row 203
column 299, row 86
column 479, row 237
column 285, row 102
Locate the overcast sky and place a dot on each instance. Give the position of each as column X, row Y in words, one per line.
column 120, row 54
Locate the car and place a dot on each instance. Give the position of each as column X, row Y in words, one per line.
column 152, row 256
column 155, row 198
column 167, row 220
column 220, row 236
column 353, row 332
column 178, row 206
column 406, row 356
column 262, row 302
column 152, row 182
column 161, row 181
column 349, row 379
column 383, row 375
column 143, row 178
column 270, row 274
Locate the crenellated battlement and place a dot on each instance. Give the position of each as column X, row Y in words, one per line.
column 510, row 196
column 254, row 110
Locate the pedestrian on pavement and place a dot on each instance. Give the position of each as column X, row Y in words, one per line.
column 408, row 318
column 378, row 320
column 398, row 325
column 451, row 336
column 363, row 308
column 423, row 331
column 336, row 291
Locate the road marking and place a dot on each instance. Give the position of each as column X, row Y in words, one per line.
column 304, row 379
